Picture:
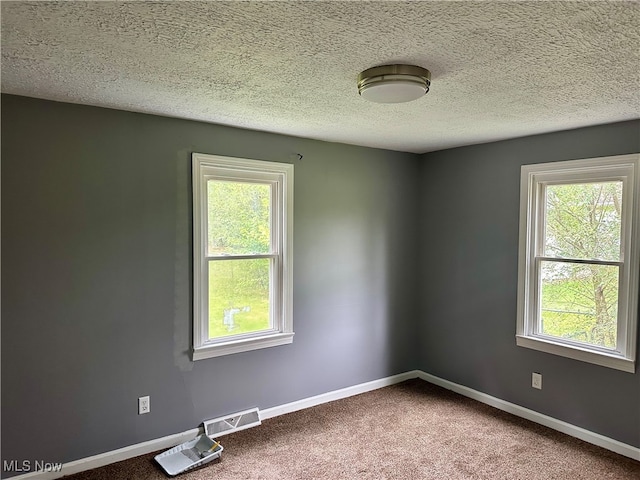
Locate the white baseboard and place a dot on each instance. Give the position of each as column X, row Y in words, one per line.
column 125, row 453
column 337, row 394
column 555, row 424
column 107, row 458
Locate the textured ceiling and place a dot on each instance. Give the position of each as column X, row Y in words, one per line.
column 499, row 69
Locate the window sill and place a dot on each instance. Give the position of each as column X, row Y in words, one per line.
column 584, row 355
column 242, row 345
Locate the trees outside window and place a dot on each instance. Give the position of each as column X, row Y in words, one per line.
column 579, row 301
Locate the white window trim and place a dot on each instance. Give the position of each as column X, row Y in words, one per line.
column 622, row 166
column 281, row 175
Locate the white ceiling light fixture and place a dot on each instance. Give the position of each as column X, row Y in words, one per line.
column 394, row 83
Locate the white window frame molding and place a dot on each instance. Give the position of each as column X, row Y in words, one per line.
column 532, row 179
column 280, row 177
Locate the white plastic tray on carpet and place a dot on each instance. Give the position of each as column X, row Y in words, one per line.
column 188, row 455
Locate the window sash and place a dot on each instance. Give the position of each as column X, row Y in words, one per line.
column 535, row 324
column 275, row 303
column 580, row 178
column 276, row 218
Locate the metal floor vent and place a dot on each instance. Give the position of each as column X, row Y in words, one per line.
column 232, row 423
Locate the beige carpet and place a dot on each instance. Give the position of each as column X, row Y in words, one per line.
column 413, row 430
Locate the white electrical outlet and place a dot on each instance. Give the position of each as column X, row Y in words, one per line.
column 536, row 380
column 144, row 405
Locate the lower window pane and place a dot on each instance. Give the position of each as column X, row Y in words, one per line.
column 238, row 297
column 579, row 302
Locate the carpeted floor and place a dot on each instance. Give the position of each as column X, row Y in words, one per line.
column 414, row 430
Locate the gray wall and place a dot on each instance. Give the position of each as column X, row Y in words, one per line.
column 96, row 277
column 469, row 240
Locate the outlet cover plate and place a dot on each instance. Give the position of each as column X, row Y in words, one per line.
column 144, row 405
column 536, row 380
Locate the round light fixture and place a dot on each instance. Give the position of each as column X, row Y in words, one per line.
column 394, row 83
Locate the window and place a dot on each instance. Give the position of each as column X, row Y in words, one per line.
column 579, row 259
column 242, row 255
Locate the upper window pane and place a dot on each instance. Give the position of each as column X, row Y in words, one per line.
column 238, row 218
column 583, row 220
